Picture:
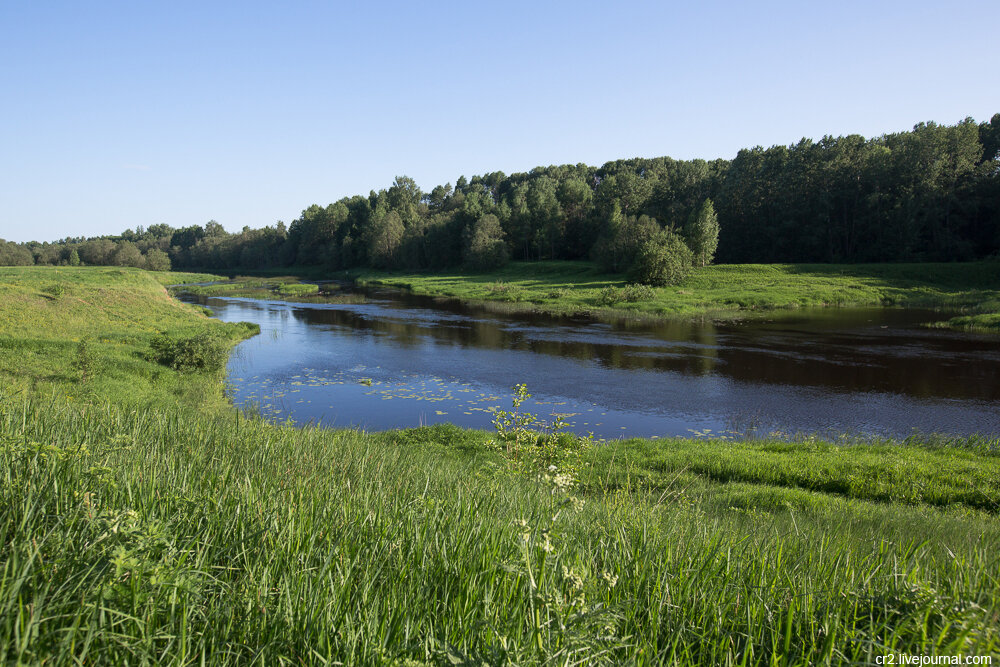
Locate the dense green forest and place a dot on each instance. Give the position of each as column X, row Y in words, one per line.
column 932, row 194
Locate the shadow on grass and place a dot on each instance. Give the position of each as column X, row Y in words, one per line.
column 953, row 275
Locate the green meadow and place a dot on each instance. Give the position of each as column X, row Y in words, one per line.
column 721, row 291
column 144, row 521
column 52, row 318
column 284, row 288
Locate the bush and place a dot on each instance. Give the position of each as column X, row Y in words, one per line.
column 85, row 363
column 499, row 287
column 204, row 351
column 633, row 293
column 533, row 446
column 297, row 289
column 504, row 291
column 609, row 296
column 662, row 260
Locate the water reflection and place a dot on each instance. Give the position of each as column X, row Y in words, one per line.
column 856, row 370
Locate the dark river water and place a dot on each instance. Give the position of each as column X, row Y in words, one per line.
column 400, row 360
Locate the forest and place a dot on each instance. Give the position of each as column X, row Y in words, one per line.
column 930, row 194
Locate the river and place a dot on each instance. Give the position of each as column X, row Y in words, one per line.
column 402, row 360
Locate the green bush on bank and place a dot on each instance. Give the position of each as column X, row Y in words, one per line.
column 662, row 260
column 632, row 293
column 203, row 351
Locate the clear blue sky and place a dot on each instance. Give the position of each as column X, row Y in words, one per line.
column 118, row 114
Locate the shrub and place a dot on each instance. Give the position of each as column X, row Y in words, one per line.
column 85, row 363
column 297, row 289
column 204, row 351
column 533, row 446
column 504, row 291
column 609, row 296
column 633, row 293
column 499, row 287
column 662, row 260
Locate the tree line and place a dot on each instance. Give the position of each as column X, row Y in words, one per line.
column 930, row 194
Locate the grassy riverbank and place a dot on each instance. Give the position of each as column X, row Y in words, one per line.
column 135, row 529
column 55, row 319
column 716, row 291
column 283, row 288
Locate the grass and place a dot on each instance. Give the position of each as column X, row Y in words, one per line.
column 984, row 322
column 139, row 531
column 283, row 288
column 115, row 313
column 572, row 288
column 168, row 278
column 963, row 471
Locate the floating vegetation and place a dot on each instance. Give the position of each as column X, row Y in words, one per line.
column 335, row 395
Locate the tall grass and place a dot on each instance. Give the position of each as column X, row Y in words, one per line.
column 149, row 537
column 115, row 314
column 141, row 525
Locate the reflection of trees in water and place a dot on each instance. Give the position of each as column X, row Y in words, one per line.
column 948, row 367
column 854, row 356
column 679, row 347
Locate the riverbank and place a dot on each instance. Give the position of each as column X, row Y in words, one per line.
column 141, row 521
column 85, row 334
column 278, row 288
column 718, row 291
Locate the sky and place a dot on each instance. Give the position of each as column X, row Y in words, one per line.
column 115, row 115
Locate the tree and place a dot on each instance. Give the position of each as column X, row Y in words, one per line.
column 214, row 229
column 127, row 254
column 703, row 233
column 484, row 246
column 160, row 231
column 383, row 237
column 187, row 237
column 157, row 260
column 438, row 196
column 575, row 198
column 74, row 257
column 662, row 260
column 624, row 236
column 403, row 196
column 546, row 216
column 97, row 251
column 14, row 254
